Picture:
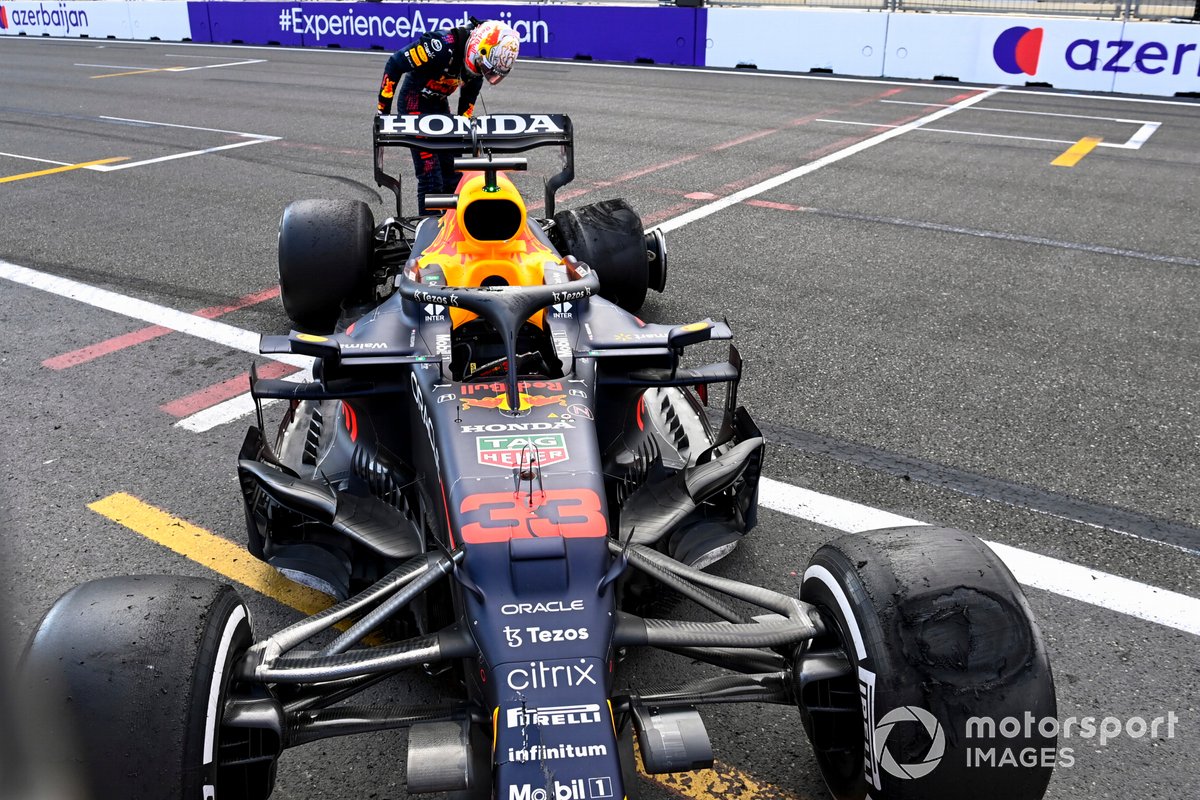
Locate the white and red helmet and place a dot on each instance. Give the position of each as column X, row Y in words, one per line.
column 492, row 50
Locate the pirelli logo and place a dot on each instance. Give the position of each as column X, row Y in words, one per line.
column 418, row 56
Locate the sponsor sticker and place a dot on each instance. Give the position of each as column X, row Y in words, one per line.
column 517, row 637
column 577, row 410
column 521, row 451
column 540, row 675
column 577, row 789
column 549, row 607
column 558, row 752
column 549, row 716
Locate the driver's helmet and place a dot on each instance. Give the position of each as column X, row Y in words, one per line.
column 492, row 50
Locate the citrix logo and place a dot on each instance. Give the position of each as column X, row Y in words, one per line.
column 1018, row 49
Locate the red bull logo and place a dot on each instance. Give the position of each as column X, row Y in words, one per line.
column 469, row 389
column 528, row 401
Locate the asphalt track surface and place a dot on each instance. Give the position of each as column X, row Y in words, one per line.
column 939, row 323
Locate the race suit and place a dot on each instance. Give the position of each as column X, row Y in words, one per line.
column 432, row 69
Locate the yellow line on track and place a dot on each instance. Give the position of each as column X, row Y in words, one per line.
column 64, row 168
column 209, row 550
column 1077, row 151
column 135, row 72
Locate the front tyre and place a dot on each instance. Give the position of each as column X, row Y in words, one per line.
column 944, row 650
column 139, row 668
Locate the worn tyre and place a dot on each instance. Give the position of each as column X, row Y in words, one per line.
column 940, row 637
column 325, row 251
column 138, row 669
column 608, row 237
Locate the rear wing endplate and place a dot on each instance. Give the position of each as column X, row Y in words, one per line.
column 495, row 133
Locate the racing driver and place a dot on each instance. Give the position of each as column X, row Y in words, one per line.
column 433, row 67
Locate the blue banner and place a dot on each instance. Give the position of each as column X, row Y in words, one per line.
column 660, row 35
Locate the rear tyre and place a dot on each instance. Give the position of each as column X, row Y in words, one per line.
column 608, row 237
column 139, row 668
column 325, row 252
column 938, row 633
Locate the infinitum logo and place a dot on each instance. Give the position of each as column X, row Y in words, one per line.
column 1018, row 49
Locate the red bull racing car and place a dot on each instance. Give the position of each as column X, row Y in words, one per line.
column 494, row 470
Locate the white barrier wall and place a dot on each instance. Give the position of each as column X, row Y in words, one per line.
column 797, row 40
column 1159, row 58
column 97, row 20
column 1078, row 54
column 979, row 49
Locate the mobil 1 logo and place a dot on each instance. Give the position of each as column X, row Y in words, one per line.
column 577, row 789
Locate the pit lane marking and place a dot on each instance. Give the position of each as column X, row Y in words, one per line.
column 206, row 329
column 1075, row 153
column 209, row 550
column 124, row 340
column 99, row 164
column 225, row 390
column 1146, row 128
column 252, row 139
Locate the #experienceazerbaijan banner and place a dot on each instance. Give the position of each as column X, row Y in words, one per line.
column 663, row 35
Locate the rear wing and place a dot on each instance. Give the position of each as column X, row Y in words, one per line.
column 477, row 136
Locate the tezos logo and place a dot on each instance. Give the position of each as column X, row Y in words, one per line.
column 1018, row 49
column 936, row 749
column 535, row 635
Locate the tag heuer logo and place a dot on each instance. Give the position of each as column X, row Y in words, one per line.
column 521, row 451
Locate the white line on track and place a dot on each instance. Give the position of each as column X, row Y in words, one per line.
column 1150, row 603
column 39, row 160
column 232, row 409
column 824, row 161
column 218, row 66
column 1113, row 592
column 177, row 69
column 207, row 329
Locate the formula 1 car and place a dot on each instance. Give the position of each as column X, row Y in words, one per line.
column 496, row 471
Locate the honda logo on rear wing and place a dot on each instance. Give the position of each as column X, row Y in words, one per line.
column 531, row 130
